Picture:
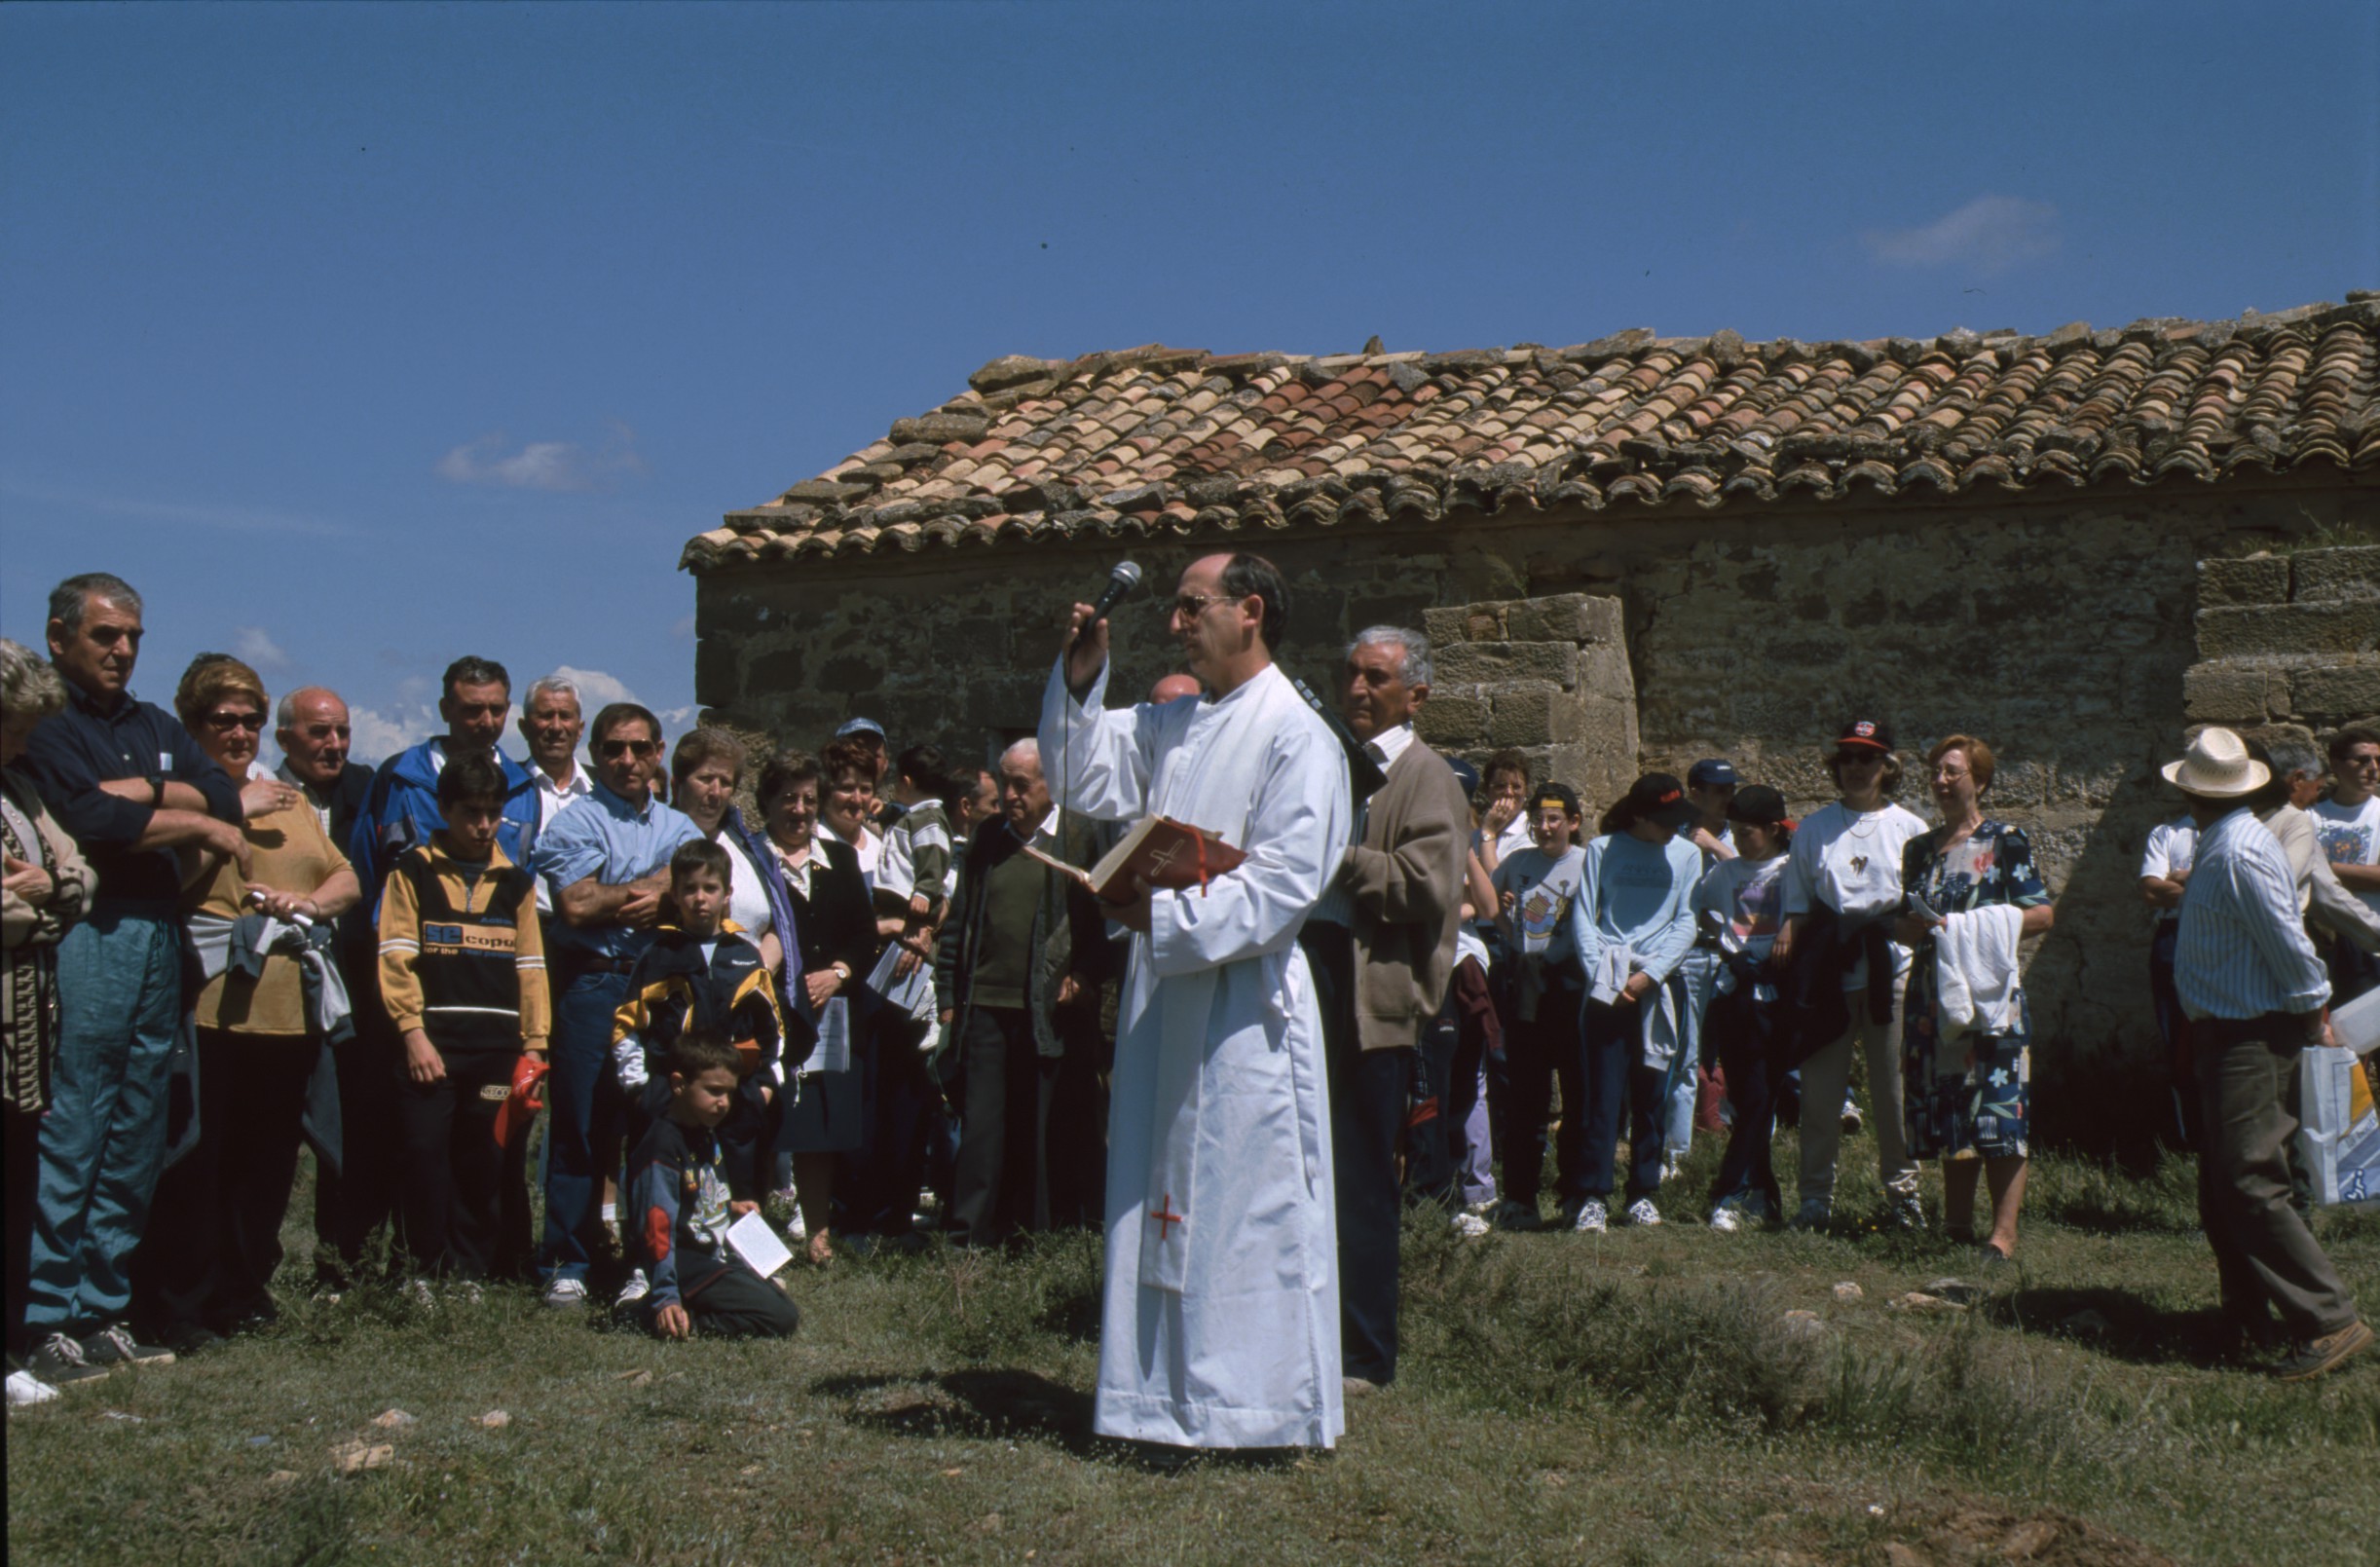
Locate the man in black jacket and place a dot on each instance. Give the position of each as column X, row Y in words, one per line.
column 1017, row 978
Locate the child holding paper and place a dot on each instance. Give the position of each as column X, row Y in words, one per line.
column 679, row 1197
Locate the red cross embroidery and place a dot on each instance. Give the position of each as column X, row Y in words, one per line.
column 1165, row 1218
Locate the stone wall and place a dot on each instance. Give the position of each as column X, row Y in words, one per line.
column 2061, row 629
column 2287, row 640
column 1546, row 677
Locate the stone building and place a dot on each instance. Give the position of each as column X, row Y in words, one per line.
column 1642, row 551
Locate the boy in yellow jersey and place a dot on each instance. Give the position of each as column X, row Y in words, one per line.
column 462, row 975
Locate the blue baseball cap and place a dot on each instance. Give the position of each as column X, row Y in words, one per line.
column 859, row 725
column 1712, row 772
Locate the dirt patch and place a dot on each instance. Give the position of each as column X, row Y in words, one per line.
column 1971, row 1534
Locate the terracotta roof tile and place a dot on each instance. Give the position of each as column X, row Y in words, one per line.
column 1156, row 439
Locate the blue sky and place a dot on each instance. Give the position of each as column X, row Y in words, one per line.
column 358, row 337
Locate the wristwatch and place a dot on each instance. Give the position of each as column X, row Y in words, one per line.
column 843, row 970
column 156, row 790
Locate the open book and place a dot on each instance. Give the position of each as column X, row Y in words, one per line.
column 1161, row 852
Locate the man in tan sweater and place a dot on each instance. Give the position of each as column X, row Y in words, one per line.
column 1380, row 946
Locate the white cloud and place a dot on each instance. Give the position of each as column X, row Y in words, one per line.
column 565, row 465
column 679, row 720
column 254, row 646
column 1991, row 234
column 379, row 736
column 595, row 687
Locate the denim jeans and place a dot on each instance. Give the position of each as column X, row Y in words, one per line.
column 580, row 1102
column 1616, row 1078
column 103, row 1137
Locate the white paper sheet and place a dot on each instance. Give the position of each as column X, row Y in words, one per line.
column 759, row 1245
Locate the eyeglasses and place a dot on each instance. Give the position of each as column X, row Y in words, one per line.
column 1190, row 606
column 225, row 723
column 612, row 750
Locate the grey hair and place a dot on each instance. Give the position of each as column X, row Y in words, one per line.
column 29, row 689
column 71, row 597
column 1415, row 670
column 2290, row 756
column 556, row 685
column 284, row 711
column 1029, row 746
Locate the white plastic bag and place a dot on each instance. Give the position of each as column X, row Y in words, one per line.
column 2338, row 1133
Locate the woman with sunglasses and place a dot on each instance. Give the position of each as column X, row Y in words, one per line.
column 214, row 1234
column 1846, row 865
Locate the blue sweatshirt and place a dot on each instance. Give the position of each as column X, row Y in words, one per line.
column 1639, row 895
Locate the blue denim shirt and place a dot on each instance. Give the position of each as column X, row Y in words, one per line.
column 616, row 842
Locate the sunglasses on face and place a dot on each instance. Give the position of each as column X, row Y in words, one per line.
column 1190, row 606
column 613, row 750
column 225, row 723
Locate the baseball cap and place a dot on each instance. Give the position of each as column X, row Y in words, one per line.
column 1659, row 797
column 1712, row 772
column 1757, row 804
column 1866, row 733
column 1560, row 796
column 859, row 725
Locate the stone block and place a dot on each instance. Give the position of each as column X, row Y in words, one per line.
column 1563, row 618
column 2335, row 576
column 2347, row 690
column 1451, row 722
column 2288, row 630
column 1446, row 627
column 2258, row 579
column 715, row 672
column 1502, row 662
column 2226, row 694
column 1532, row 713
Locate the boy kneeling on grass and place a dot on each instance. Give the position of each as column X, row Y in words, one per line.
column 683, row 1209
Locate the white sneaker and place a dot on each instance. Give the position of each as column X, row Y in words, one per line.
column 465, row 1292
column 25, row 1388
column 1643, row 1213
column 566, row 1294
column 1851, row 1122
column 1669, row 1165
column 633, row 1291
column 1470, row 1225
column 1727, row 1218
column 1592, row 1220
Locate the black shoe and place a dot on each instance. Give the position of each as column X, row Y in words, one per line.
column 58, row 1359
column 115, row 1345
column 191, row 1338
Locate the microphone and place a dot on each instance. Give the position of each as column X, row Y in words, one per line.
column 1120, row 583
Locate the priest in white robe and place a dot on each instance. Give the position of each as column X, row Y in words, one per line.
column 1222, row 1320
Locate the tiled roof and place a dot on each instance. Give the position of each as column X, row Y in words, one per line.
column 1182, row 442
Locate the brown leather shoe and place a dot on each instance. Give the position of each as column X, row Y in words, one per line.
column 2317, row 1356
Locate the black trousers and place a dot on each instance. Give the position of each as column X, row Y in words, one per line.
column 729, row 1300
column 1739, row 1030
column 356, row 1199
column 1433, row 1135
column 453, row 1169
column 1367, row 1113
column 213, row 1240
column 23, row 1142
column 1540, row 1052
column 1003, row 1178
column 877, row 1185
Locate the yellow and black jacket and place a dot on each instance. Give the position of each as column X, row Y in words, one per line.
column 461, row 955
column 675, row 987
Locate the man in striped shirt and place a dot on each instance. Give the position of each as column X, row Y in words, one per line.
column 2255, row 992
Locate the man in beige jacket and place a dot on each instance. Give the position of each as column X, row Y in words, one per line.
column 1380, row 946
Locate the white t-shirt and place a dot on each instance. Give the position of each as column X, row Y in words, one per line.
column 2350, row 836
column 2171, row 847
column 1750, row 895
column 1851, row 861
column 746, row 894
column 1544, row 890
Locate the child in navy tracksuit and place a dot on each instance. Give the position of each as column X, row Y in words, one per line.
column 702, row 972
column 681, row 1209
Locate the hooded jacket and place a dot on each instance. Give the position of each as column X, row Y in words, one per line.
column 401, row 812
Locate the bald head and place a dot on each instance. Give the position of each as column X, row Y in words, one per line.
column 1174, row 688
column 1023, row 794
column 310, row 727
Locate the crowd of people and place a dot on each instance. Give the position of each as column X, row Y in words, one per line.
column 887, row 998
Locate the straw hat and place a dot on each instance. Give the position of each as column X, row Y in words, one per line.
column 2217, row 768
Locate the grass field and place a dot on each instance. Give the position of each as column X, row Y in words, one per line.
column 1638, row 1397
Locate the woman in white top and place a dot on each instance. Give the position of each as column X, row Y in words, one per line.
column 846, row 809
column 705, row 771
column 1847, row 858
